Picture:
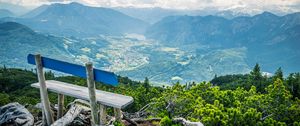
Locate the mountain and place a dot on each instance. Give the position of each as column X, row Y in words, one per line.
column 270, row 40
column 206, row 29
column 5, row 13
column 150, row 15
column 189, row 29
column 178, row 48
column 75, row 19
column 17, row 40
column 129, row 55
column 155, row 14
column 35, row 11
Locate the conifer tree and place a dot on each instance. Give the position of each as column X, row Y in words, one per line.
column 278, row 74
column 256, row 78
column 146, row 84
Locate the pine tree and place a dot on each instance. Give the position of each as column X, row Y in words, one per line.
column 146, row 84
column 255, row 73
column 4, row 68
column 293, row 83
column 278, row 74
column 256, row 78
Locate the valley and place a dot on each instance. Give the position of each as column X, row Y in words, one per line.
column 129, row 55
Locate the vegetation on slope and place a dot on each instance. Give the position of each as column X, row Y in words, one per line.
column 251, row 99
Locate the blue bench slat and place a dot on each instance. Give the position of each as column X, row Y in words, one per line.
column 74, row 69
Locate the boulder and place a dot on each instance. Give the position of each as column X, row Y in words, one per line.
column 15, row 114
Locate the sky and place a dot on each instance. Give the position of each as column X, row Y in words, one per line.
column 283, row 5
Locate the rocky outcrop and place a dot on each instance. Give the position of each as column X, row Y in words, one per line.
column 15, row 114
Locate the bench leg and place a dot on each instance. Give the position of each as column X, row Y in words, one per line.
column 43, row 90
column 44, row 120
column 118, row 114
column 103, row 115
column 60, row 110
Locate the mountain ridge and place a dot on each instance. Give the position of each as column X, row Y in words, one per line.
column 18, row 40
column 75, row 19
column 260, row 34
column 6, row 13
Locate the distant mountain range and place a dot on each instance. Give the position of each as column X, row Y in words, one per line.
column 128, row 55
column 270, row 39
column 237, row 31
column 75, row 19
column 153, row 15
column 184, row 48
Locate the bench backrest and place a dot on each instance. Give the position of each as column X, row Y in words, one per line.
column 74, row 69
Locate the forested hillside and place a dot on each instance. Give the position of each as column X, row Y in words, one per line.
column 251, row 99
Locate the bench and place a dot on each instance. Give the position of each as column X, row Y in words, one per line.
column 89, row 93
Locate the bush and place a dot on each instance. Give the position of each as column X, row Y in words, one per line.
column 166, row 121
column 4, row 99
column 118, row 123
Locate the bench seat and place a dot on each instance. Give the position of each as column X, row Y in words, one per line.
column 102, row 97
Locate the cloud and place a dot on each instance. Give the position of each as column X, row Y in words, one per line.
column 34, row 3
column 198, row 4
column 177, row 4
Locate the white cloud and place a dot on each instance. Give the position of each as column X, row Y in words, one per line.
column 177, row 4
column 34, row 3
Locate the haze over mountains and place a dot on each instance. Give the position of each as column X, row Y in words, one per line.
column 5, row 13
column 162, row 47
column 17, row 10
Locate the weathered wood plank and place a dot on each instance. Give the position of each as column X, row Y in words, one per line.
column 102, row 97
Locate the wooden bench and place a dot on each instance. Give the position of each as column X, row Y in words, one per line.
column 102, row 97
column 89, row 93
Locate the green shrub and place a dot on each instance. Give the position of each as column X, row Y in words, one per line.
column 4, row 99
column 118, row 123
column 166, row 121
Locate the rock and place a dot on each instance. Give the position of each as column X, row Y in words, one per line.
column 15, row 114
column 187, row 123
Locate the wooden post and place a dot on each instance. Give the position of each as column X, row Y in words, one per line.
column 44, row 120
column 92, row 94
column 102, row 115
column 118, row 114
column 43, row 90
column 60, row 109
